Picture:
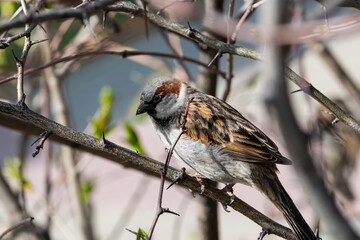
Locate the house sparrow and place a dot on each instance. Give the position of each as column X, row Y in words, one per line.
column 219, row 143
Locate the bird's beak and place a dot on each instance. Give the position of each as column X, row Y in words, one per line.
column 143, row 107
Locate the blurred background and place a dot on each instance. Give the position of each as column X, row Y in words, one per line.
column 100, row 92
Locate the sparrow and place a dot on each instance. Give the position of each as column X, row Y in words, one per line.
column 219, row 143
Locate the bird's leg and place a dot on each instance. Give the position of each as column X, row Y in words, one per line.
column 229, row 190
column 200, row 179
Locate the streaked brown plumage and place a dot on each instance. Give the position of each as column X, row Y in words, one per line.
column 220, row 144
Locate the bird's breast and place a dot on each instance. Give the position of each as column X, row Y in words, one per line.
column 206, row 160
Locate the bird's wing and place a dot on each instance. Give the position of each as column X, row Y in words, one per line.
column 216, row 123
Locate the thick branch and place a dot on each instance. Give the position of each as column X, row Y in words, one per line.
column 30, row 122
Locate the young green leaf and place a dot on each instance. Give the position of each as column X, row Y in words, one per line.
column 12, row 171
column 142, row 232
column 132, row 138
column 86, row 188
column 100, row 122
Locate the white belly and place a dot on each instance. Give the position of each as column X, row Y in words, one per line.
column 206, row 160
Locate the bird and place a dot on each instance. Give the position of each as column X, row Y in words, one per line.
column 219, row 143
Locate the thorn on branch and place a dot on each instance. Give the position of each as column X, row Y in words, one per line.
column 179, row 179
column 44, row 135
column 105, row 13
column 38, row 41
column 144, row 237
column 296, row 91
column 105, row 142
column 167, row 210
column 218, row 55
column 17, row 60
column 263, row 233
column 41, row 26
column 85, row 20
column 190, row 32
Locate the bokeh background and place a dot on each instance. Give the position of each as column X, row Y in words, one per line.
column 102, row 93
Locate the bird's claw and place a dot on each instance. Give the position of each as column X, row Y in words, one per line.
column 225, row 207
column 263, row 233
column 228, row 189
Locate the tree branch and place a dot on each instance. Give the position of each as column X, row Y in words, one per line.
column 57, row 14
column 232, row 49
column 30, row 122
column 124, row 54
column 130, row 8
column 23, row 222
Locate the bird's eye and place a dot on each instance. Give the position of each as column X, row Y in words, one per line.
column 157, row 98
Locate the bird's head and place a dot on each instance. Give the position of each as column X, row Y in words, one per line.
column 163, row 97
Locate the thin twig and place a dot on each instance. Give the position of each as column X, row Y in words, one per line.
column 42, row 140
column 160, row 210
column 242, row 20
column 124, row 54
column 249, row 9
column 5, row 42
column 20, row 63
column 23, row 222
column 229, row 74
column 218, row 55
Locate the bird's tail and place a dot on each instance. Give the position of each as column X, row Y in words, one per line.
column 274, row 190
